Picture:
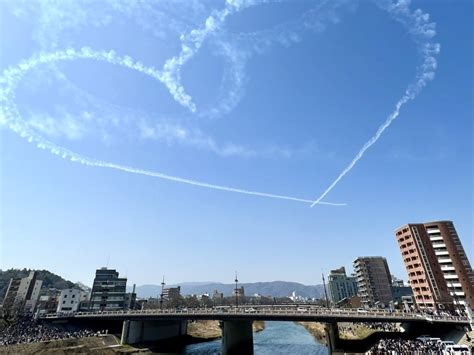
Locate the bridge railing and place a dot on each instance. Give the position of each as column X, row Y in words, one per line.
column 265, row 311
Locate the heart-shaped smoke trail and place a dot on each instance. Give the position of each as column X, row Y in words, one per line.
column 416, row 22
column 10, row 116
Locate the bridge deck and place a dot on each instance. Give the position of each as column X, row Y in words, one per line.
column 266, row 314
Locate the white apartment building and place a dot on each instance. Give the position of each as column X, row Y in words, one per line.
column 23, row 293
column 70, row 299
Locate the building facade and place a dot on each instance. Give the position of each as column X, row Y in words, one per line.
column 438, row 268
column 217, row 297
column 70, row 300
column 238, row 292
column 108, row 291
column 22, row 294
column 340, row 285
column 172, row 293
column 48, row 301
column 401, row 294
column 373, row 281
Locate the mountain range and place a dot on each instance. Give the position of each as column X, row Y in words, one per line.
column 273, row 288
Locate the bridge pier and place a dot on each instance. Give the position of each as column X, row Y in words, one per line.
column 237, row 337
column 332, row 338
column 143, row 331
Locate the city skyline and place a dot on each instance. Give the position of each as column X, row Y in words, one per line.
column 265, row 103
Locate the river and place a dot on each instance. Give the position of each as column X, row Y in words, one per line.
column 277, row 338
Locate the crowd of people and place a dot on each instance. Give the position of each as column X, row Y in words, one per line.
column 28, row 330
column 382, row 327
column 401, row 346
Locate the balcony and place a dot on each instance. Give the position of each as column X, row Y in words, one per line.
column 436, row 239
column 445, row 261
column 439, row 245
column 451, row 277
column 442, row 253
column 447, row 268
column 454, row 285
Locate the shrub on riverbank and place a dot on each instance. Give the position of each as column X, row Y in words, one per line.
column 346, row 331
column 210, row 329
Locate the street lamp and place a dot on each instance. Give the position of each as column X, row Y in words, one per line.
column 162, row 289
column 236, row 291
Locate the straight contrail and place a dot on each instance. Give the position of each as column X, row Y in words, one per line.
column 10, row 116
column 418, row 25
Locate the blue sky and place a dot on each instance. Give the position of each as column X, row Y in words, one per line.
column 275, row 98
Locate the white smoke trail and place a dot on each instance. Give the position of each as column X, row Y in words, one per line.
column 10, row 116
column 418, row 25
column 190, row 44
column 416, row 22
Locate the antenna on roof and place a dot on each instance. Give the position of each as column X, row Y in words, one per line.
column 108, row 259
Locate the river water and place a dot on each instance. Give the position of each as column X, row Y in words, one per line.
column 277, row 338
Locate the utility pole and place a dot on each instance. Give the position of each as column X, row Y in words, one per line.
column 162, row 289
column 236, row 291
column 325, row 291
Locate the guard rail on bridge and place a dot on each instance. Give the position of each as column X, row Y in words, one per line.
column 265, row 313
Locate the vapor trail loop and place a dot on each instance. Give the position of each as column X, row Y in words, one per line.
column 416, row 22
column 10, row 116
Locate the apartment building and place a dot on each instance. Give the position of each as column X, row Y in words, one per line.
column 22, row 294
column 108, row 291
column 340, row 285
column 373, row 281
column 438, row 268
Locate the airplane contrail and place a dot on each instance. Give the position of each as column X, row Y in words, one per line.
column 190, row 44
column 418, row 25
column 416, row 22
column 9, row 115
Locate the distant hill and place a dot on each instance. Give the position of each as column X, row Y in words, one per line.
column 274, row 288
column 50, row 280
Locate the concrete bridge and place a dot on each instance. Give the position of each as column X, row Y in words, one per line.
column 236, row 323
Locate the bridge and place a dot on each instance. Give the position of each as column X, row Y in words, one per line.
column 236, row 322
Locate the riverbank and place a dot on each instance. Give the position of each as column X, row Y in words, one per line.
column 317, row 330
column 210, row 330
column 346, row 331
column 105, row 344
